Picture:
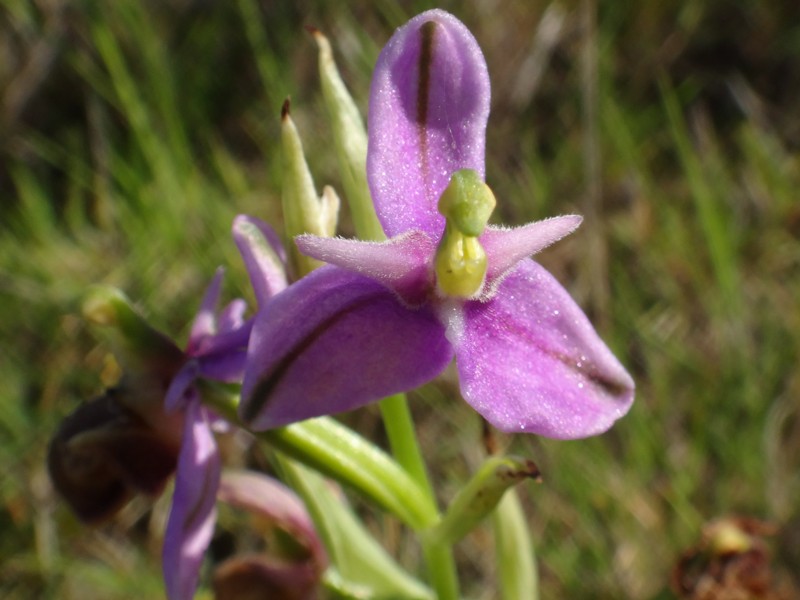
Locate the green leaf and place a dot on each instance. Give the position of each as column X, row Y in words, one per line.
column 516, row 561
column 362, row 568
column 338, row 452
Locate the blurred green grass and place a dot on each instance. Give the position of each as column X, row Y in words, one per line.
column 132, row 133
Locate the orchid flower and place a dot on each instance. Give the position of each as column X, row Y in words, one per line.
column 216, row 350
column 385, row 317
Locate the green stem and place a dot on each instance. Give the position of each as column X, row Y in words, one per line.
column 514, row 554
column 441, row 569
column 403, row 440
column 405, row 449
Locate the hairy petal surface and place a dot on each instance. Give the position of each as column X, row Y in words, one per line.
column 506, row 247
column 402, row 264
column 191, row 520
column 332, row 342
column 530, row 361
column 429, row 103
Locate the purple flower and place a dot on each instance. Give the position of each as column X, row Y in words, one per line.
column 216, row 350
column 383, row 318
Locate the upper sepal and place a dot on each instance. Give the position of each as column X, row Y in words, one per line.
column 429, row 104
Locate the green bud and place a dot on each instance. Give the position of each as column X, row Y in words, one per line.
column 481, row 495
column 350, row 141
column 303, row 210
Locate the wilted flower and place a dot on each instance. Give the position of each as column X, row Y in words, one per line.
column 390, row 316
column 121, row 443
column 732, row 561
column 109, row 450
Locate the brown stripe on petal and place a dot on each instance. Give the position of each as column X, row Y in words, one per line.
column 260, row 396
column 428, row 31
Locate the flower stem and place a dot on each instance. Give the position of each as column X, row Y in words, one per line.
column 403, row 439
column 441, row 570
column 406, row 451
column 514, row 553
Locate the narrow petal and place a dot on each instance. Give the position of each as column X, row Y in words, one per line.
column 506, row 247
column 205, row 322
column 428, row 108
column 263, row 254
column 334, row 341
column 530, row 361
column 231, row 317
column 402, row 264
column 191, row 520
column 177, row 393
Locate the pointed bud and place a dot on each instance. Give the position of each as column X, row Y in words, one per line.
column 350, row 140
column 303, row 210
column 480, row 496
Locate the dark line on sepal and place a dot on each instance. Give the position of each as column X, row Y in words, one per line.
column 260, row 396
column 428, row 32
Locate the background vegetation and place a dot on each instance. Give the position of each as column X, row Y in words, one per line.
column 132, row 132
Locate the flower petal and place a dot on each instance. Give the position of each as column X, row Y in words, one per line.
column 334, row 341
column 429, row 103
column 205, row 322
column 231, row 318
column 261, row 576
column 178, row 391
column 227, row 367
column 191, row 520
column 402, row 264
column 530, row 361
column 263, row 254
column 506, row 247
